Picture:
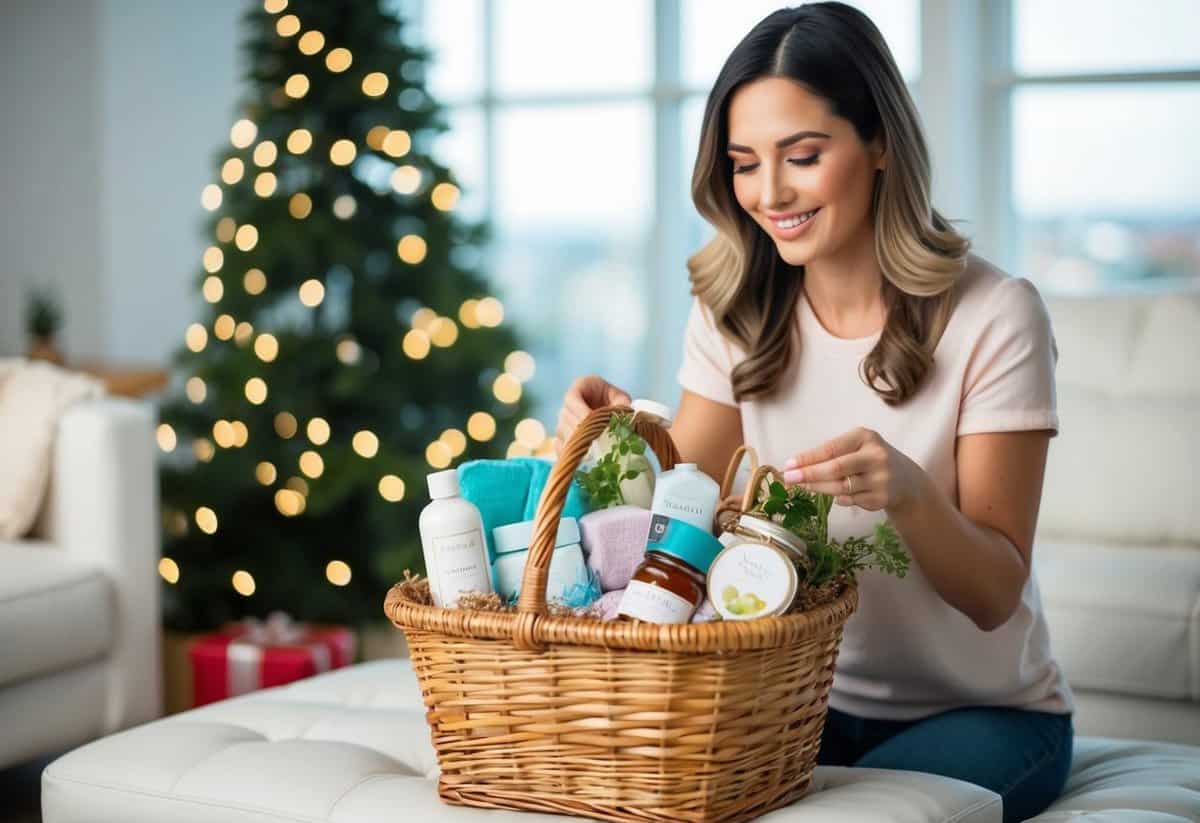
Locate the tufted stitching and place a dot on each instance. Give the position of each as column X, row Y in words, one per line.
column 971, row 810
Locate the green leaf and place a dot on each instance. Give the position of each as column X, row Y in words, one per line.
column 778, row 489
column 632, row 473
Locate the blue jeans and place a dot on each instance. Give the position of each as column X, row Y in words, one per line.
column 1023, row 756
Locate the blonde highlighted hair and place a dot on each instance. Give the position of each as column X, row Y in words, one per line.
column 837, row 53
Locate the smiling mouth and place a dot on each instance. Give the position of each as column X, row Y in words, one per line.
column 797, row 220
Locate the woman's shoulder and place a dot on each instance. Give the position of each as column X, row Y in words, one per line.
column 987, row 295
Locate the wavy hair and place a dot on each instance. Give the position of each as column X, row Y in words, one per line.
column 838, row 54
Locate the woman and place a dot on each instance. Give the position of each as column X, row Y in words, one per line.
column 841, row 327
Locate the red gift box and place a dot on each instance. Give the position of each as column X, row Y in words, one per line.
column 255, row 654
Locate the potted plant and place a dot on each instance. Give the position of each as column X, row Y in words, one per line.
column 43, row 320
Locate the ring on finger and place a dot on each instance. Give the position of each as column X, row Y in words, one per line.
column 849, row 486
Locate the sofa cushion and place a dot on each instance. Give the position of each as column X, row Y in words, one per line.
column 352, row 746
column 1123, row 618
column 56, row 611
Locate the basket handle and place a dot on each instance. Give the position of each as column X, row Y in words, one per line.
column 532, row 601
column 727, row 507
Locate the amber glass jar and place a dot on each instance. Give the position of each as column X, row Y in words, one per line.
column 669, row 585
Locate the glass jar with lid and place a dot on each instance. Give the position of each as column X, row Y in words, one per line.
column 759, row 572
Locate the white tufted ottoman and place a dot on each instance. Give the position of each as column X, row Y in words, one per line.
column 351, row 746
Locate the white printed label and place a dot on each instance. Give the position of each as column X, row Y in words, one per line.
column 654, row 604
column 461, row 566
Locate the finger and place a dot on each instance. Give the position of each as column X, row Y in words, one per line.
column 835, row 469
column 842, row 444
column 617, row 397
column 592, row 390
column 576, row 405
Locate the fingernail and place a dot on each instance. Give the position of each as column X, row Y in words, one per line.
column 791, row 464
column 794, row 476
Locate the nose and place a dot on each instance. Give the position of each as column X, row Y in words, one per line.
column 775, row 195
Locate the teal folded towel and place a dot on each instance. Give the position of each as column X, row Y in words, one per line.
column 508, row 491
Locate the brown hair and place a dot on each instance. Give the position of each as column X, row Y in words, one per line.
column 837, row 53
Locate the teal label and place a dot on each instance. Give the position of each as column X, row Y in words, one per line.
column 693, row 546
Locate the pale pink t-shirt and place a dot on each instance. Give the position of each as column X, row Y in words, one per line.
column 906, row 653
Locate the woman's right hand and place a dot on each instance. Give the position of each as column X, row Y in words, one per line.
column 585, row 395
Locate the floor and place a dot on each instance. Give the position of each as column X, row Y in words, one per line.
column 20, row 789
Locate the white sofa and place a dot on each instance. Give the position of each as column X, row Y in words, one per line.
column 79, row 605
column 1118, row 558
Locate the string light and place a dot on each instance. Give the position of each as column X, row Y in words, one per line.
column 226, row 228
column 196, row 337
column 411, row 249
column 443, row 332
column 256, row 390
column 490, row 312
column 243, row 333
column 287, row 25
column 437, row 455
column 444, row 196
column 213, row 289
column 376, row 136
column 206, row 520
column 224, row 434
column 299, row 141
column 365, row 444
column 312, row 292
column 311, row 464
column 168, row 570
column 265, row 473
column 516, row 449
column 481, row 426
column 195, row 389
column 242, row 133
column 286, row 425
column 213, row 259
column 289, row 502
column 243, row 583
column 530, row 433
column 391, row 488
column 255, row 282
column 232, row 170
column 318, row 431
column 274, row 6
column 311, row 42
column 224, row 327
column 298, row 485
column 338, row 60
column 455, row 440
column 265, row 153
column 300, row 205
column 406, row 179
column 296, row 86
column 247, row 237
column 265, row 184
column 176, row 523
column 337, row 573
column 241, row 434
column 416, row 344
column 507, row 388
column 375, row 84
column 344, row 207
column 342, row 152
column 166, row 437
column 468, row 314
column 520, row 365
column 204, row 450
column 210, row 197
column 348, row 351
column 397, row 143
column 266, row 347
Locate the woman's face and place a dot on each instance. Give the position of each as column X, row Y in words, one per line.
column 828, row 170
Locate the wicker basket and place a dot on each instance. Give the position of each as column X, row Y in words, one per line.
column 613, row 720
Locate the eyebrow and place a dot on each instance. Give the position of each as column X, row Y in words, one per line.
column 781, row 144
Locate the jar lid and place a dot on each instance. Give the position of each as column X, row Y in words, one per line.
column 762, row 527
column 750, row 579
column 682, row 540
column 516, row 537
column 653, row 408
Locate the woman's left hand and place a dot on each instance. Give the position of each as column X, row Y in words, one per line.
column 859, row 468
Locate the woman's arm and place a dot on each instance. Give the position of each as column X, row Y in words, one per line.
column 706, row 433
column 977, row 555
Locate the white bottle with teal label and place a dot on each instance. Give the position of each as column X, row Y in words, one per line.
column 452, row 539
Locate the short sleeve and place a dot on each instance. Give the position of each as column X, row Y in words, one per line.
column 1009, row 380
column 707, row 361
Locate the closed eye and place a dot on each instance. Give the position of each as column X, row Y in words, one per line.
column 795, row 161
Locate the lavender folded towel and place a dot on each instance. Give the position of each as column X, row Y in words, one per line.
column 615, row 542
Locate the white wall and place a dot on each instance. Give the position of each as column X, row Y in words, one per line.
column 110, row 114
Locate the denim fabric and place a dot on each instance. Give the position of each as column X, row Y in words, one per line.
column 1023, row 756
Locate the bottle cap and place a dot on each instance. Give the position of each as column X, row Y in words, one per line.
column 516, row 537
column 443, row 484
column 652, row 408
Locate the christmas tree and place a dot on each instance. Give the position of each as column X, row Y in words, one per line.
column 349, row 346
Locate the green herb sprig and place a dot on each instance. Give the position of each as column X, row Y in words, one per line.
column 806, row 514
column 602, row 482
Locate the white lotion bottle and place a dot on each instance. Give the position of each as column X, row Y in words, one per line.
column 452, row 539
column 688, row 494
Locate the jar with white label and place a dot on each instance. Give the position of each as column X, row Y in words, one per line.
column 759, row 572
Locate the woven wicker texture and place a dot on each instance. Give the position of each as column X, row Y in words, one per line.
column 710, row 723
